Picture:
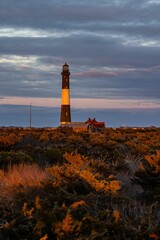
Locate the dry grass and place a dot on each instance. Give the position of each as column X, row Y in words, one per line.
column 20, row 176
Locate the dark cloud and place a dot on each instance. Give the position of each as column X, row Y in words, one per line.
column 98, row 50
column 112, row 48
column 49, row 14
column 20, row 81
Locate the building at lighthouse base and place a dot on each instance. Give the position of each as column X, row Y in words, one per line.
column 90, row 126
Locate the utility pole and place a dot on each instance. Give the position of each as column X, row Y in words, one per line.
column 30, row 117
column 30, row 124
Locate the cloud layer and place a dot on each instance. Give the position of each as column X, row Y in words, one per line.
column 112, row 48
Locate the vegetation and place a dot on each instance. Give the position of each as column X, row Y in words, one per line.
column 65, row 185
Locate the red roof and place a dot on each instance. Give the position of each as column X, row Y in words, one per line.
column 95, row 123
column 99, row 124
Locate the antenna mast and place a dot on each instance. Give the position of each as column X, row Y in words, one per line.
column 30, row 116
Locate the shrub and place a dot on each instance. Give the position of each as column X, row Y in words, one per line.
column 148, row 176
column 8, row 159
column 20, row 177
column 78, row 167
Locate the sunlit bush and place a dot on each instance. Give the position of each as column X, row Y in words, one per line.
column 20, row 177
column 79, row 168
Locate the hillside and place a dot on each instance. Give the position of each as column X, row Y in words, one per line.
column 60, row 184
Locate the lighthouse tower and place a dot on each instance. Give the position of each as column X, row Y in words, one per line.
column 65, row 104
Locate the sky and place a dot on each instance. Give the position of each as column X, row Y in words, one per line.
column 113, row 52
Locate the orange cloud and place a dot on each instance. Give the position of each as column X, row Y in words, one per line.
column 84, row 103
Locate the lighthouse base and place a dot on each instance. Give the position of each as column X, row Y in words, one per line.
column 65, row 114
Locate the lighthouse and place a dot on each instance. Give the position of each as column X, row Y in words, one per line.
column 65, row 101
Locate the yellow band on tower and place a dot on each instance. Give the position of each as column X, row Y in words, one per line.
column 65, row 97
